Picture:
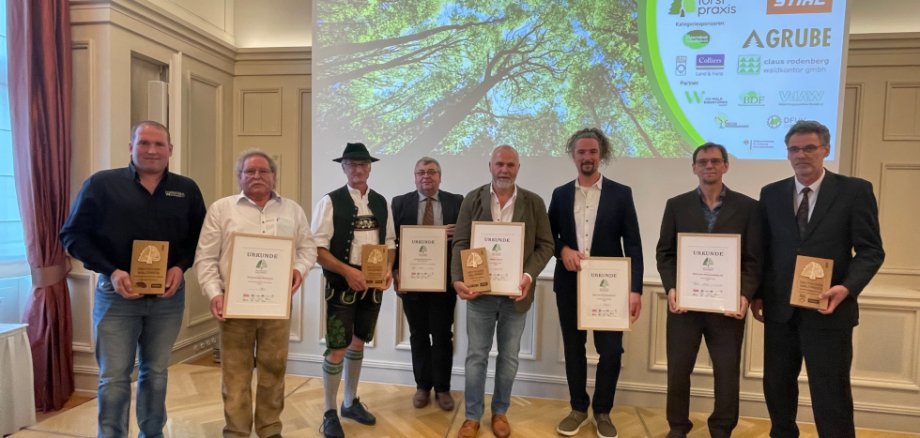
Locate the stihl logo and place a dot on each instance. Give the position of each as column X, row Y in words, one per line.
column 799, row 6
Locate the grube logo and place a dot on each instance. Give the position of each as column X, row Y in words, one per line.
column 799, row 6
column 790, row 38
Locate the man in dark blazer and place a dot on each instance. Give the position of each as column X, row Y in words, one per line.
column 819, row 214
column 710, row 208
column 594, row 206
column 430, row 314
column 500, row 201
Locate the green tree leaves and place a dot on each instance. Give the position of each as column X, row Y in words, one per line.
column 417, row 77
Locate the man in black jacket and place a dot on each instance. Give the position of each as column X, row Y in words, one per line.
column 592, row 216
column 430, row 314
column 819, row 214
column 710, row 208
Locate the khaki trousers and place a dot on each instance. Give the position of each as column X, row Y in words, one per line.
column 246, row 344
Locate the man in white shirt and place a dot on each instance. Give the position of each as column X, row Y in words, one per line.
column 500, row 201
column 257, row 210
column 592, row 216
column 344, row 221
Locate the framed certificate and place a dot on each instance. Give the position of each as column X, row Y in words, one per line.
column 259, row 277
column 709, row 272
column 603, row 293
column 422, row 258
column 504, row 244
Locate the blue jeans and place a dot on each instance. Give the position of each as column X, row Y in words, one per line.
column 482, row 315
column 145, row 328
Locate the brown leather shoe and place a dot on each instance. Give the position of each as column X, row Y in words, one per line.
column 445, row 401
column 469, row 429
column 421, row 398
column 500, row 426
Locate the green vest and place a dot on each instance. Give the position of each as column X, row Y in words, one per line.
column 344, row 214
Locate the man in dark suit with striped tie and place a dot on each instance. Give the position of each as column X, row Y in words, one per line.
column 819, row 214
column 430, row 314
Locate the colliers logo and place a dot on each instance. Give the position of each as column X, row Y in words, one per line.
column 790, row 38
column 799, row 6
column 696, row 39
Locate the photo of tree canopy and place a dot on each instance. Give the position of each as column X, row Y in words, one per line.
column 430, row 77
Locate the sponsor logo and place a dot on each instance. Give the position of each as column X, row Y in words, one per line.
column 775, row 121
column 751, row 98
column 699, row 97
column 710, row 62
column 752, row 143
column 699, row 8
column 680, row 67
column 790, row 38
column 799, row 6
column 801, row 97
column 696, row 39
column 749, row 64
column 723, row 122
column 795, row 65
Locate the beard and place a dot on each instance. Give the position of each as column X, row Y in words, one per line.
column 587, row 168
column 504, row 183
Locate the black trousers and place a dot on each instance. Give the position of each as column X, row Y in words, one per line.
column 724, row 336
column 828, row 354
column 609, row 346
column 431, row 317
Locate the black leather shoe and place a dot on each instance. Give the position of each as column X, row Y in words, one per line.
column 331, row 427
column 358, row 412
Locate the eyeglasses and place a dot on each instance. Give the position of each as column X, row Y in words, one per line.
column 429, row 172
column 810, row 149
column 703, row 162
column 254, row 172
column 357, row 164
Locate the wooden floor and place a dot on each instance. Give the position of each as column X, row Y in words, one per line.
column 195, row 410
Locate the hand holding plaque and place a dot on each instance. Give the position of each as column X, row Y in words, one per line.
column 374, row 265
column 148, row 266
column 476, row 269
column 812, row 276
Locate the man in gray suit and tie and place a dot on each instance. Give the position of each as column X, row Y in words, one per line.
column 500, row 201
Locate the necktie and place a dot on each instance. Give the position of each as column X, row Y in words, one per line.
column 801, row 216
column 428, row 215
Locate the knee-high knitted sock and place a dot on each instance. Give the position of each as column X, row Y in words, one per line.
column 353, row 359
column 332, row 375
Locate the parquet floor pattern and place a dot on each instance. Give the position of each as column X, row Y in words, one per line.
column 195, row 410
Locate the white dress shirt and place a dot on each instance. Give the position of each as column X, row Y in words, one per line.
column 323, row 228
column 812, row 197
column 587, row 200
column 237, row 213
column 502, row 213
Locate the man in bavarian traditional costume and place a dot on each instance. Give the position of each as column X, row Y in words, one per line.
column 344, row 221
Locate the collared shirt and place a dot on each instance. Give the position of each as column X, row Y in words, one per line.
column 237, row 213
column 812, row 197
column 113, row 209
column 323, row 229
column 711, row 215
column 435, row 208
column 502, row 213
column 587, row 200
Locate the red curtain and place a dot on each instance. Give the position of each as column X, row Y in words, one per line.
column 38, row 39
